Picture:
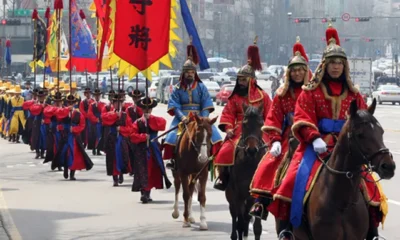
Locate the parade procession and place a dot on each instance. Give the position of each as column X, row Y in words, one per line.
column 124, row 150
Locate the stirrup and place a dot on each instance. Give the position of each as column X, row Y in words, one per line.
column 253, row 210
column 283, row 233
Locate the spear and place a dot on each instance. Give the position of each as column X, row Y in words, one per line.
column 70, row 48
column 98, row 49
column 47, row 16
column 58, row 6
column 112, row 87
column 34, row 19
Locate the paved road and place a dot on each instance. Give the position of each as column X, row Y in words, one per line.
column 38, row 204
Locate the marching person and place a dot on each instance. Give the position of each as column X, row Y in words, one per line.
column 133, row 110
column 247, row 92
column 27, row 133
column 190, row 95
column 94, row 116
column 84, row 108
column 16, row 115
column 117, row 140
column 71, row 154
column 323, row 104
column 148, row 166
column 38, row 136
column 278, row 128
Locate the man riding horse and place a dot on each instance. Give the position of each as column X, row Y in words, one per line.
column 247, row 92
column 278, row 128
column 321, row 111
column 190, row 95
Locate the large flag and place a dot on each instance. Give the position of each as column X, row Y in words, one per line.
column 51, row 48
column 142, row 34
column 83, row 48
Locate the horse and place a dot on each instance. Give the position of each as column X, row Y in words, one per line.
column 249, row 151
column 192, row 160
column 335, row 208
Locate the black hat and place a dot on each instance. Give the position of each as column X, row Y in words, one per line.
column 71, row 98
column 87, row 90
column 147, row 102
column 28, row 82
column 35, row 91
column 40, row 93
column 96, row 92
column 136, row 93
column 57, row 97
column 117, row 97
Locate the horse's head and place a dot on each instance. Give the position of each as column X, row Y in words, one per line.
column 365, row 136
column 202, row 136
column 251, row 127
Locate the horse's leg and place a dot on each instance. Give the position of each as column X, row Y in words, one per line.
column 240, row 209
column 202, row 199
column 177, row 184
column 186, row 197
column 232, row 210
column 191, row 190
column 247, row 217
column 257, row 228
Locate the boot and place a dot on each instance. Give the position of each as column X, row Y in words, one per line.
column 144, row 198
column 60, row 169
column 72, row 175
column 171, row 164
column 222, row 180
column 285, row 230
column 14, row 139
column 259, row 209
column 37, row 154
column 10, row 138
column 65, row 172
column 94, row 152
column 42, row 153
column 99, row 153
column 148, row 196
column 17, row 138
column 121, row 178
column 373, row 233
column 115, row 178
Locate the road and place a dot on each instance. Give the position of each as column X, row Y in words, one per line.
column 38, row 204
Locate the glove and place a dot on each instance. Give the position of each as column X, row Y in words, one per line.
column 319, row 145
column 276, row 149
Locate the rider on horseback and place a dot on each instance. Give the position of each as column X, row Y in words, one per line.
column 246, row 92
column 190, row 95
column 321, row 110
column 278, row 127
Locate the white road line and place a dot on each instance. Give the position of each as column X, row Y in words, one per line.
column 32, row 165
column 397, row 153
column 394, row 202
column 9, row 166
column 388, row 141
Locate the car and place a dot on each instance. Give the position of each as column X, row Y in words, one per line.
column 224, row 93
column 169, row 84
column 387, row 93
column 265, row 75
column 205, row 75
column 213, row 88
column 153, row 89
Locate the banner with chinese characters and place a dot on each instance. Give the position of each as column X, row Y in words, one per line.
column 143, row 35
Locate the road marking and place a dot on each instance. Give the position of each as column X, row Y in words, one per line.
column 9, row 166
column 388, row 141
column 32, row 165
column 397, row 153
column 394, row 202
column 8, row 222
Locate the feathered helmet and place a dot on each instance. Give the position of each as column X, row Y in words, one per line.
column 333, row 48
column 253, row 62
column 192, row 58
column 331, row 52
column 299, row 59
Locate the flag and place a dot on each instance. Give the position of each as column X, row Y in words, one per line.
column 51, row 48
column 192, row 31
column 83, row 48
column 8, row 52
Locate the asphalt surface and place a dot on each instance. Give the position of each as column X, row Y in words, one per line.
column 38, row 204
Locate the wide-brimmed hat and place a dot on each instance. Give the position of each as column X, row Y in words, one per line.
column 71, row 98
column 73, row 85
column 35, row 91
column 117, row 97
column 96, row 92
column 136, row 93
column 40, row 93
column 28, row 82
column 57, row 97
column 17, row 89
column 147, row 103
column 87, row 90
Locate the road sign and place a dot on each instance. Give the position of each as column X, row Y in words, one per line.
column 346, row 17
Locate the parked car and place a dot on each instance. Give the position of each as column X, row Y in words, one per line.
column 387, row 93
column 213, row 88
column 224, row 93
column 205, row 75
column 265, row 75
column 153, row 89
column 170, row 82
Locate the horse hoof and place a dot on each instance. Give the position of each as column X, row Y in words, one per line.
column 175, row 214
column 203, row 226
column 186, row 224
column 191, row 220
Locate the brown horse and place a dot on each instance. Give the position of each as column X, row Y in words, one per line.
column 336, row 208
column 192, row 159
column 249, row 152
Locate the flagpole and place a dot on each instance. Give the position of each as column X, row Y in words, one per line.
column 98, row 50
column 58, row 6
column 118, row 94
column 47, row 16
column 34, row 19
column 111, row 79
column 70, row 48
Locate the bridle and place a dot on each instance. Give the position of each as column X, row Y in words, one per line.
column 196, row 147
column 367, row 159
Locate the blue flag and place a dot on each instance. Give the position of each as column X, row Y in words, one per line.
column 192, row 31
column 8, row 55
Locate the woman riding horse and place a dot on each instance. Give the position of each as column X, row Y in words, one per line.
column 278, row 127
column 321, row 110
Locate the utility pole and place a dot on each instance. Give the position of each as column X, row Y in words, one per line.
column 396, row 60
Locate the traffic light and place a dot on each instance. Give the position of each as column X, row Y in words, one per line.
column 362, row 19
column 302, row 20
column 3, row 22
column 325, row 20
column 11, row 22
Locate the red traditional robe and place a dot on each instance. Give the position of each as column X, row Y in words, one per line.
column 84, row 108
column 232, row 117
column 147, row 173
column 49, row 119
column 110, row 119
column 26, row 105
column 134, row 112
column 314, row 104
column 93, row 119
column 278, row 128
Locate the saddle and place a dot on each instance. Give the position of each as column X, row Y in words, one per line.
column 282, row 169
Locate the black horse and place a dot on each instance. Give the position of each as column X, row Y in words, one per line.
column 249, row 152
